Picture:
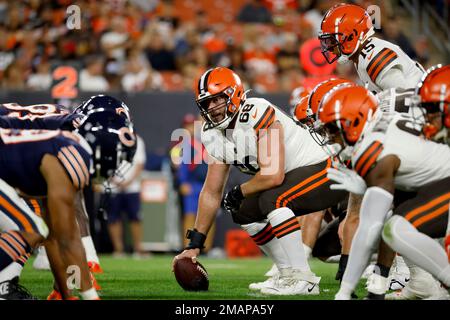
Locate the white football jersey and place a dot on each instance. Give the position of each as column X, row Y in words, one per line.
column 421, row 161
column 378, row 56
column 238, row 146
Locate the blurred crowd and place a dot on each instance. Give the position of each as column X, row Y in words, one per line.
column 136, row 45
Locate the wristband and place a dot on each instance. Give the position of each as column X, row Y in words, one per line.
column 197, row 239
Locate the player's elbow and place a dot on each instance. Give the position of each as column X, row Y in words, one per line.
column 275, row 180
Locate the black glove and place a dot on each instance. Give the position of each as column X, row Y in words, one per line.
column 232, row 200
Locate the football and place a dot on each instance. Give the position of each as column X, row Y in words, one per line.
column 191, row 276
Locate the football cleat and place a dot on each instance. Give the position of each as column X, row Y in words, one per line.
column 420, row 287
column 377, row 285
column 257, row 286
column 273, row 271
column 95, row 267
column 294, row 283
column 399, row 275
column 54, row 295
column 368, row 272
column 12, row 290
column 94, row 282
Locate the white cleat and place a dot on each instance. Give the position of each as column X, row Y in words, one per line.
column 377, row 284
column 399, row 275
column 273, row 271
column 41, row 262
column 295, row 283
column 422, row 287
column 258, row 286
column 441, row 294
column 368, row 272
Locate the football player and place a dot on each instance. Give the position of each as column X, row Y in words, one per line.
column 55, row 164
column 433, row 96
column 288, row 179
column 383, row 156
column 347, row 33
column 47, row 116
column 50, row 116
column 296, row 95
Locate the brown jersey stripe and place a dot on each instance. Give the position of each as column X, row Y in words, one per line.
column 432, row 215
column 427, row 206
column 391, row 57
column 370, row 162
column 295, row 189
column 366, row 154
column 376, row 59
column 264, row 118
column 269, row 121
column 305, row 190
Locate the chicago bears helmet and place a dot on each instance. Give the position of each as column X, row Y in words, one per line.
column 103, row 102
column 112, row 140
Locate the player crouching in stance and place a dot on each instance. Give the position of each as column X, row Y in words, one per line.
column 56, row 164
column 289, row 177
column 389, row 154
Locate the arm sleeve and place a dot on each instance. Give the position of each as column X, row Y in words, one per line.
column 393, row 78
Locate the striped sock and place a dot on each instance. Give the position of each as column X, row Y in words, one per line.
column 12, row 247
column 287, row 229
column 261, row 233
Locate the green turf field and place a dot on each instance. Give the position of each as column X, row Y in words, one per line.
column 152, row 279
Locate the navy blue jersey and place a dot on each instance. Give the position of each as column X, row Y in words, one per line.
column 39, row 116
column 21, row 153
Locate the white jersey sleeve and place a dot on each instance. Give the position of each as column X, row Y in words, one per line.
column 239, row 146
column 421, row 161
column 382, row 65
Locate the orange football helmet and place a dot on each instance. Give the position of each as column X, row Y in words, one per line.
column 301, row 110
column 345, row 111
column 296, row 95
column 220, row 82
column 433, row 96
column 318, row 93
column 343, row 30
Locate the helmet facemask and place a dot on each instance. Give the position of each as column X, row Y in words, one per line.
column 331, row 47
column 220, row 115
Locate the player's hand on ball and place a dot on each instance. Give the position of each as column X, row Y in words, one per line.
column 233, row 199
column 346, row 180
column 188, row 253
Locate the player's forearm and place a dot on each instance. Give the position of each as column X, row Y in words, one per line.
column 351, row 221
column 208, row 204
column 261, row 182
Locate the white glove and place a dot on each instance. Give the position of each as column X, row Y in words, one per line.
column 347, row 180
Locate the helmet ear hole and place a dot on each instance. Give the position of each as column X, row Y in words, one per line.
column 356, row 122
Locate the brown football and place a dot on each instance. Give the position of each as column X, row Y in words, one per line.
column 191, row 276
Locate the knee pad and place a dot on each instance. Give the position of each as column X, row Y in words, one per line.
column 387, row 233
